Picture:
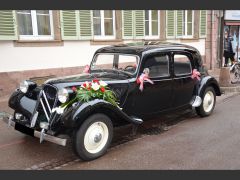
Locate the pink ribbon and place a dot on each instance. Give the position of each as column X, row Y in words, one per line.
column 141, row 79
column 86, row 69
column 196, row 74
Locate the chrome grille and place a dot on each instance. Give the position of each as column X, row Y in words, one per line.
column 47, row 100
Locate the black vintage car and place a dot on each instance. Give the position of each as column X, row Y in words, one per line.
column 147, row 80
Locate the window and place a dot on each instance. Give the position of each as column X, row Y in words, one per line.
column 124, row 62
column 35, row 24
column 104, row 24
column 182, row 65
column 158, row 65
column 188, row 23
column 151, row 23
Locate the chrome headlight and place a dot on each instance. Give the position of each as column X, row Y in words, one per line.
column 63, row 95
column 24, row 85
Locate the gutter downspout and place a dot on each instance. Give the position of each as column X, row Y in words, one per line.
column 212, row 35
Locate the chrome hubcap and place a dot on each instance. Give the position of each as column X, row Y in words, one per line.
column 96, row 137
column 208, row 101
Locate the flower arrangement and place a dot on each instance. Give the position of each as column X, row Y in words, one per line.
column 96, row 90
column 88, row 91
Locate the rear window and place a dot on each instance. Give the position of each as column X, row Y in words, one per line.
column 182, row 65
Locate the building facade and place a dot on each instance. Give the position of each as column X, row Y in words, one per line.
column 37, row 43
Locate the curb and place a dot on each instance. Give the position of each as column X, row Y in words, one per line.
column 230, row 89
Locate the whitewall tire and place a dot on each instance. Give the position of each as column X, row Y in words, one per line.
column 208, row 102
column 93, row 137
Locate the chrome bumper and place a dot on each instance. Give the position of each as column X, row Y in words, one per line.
column 41, row 135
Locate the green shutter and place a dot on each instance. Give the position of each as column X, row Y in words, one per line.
column 203, row 23
column 8, row 25
column 139, row 28
column 180, row 23
column 86, row 31
column 70, row 25
column 127, row 27
column 170, row 23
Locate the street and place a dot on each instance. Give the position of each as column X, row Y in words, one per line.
column 190, row 142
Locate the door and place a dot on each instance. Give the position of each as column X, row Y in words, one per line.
column 183, row 84
column 155, row 97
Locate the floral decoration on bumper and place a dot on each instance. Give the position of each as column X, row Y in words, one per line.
column 96, row 89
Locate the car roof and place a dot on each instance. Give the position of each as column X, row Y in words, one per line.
column 140, row 47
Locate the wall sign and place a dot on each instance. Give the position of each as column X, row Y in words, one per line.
column 232, row 15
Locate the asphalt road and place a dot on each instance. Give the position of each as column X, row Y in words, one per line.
column 190, row 143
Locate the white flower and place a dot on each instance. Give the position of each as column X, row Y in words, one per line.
column 102, row 83
column 59, row 110
column 95, row 86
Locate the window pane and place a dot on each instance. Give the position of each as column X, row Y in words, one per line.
column 108, row 14
column 189, row 16
column 24, row 11
column 154, row 15
column 182, row 65
column 189, row 29
column 25, row 24
column 147, row 28
column 158, row 65
column 97, row 26
column 154, row 28
column 146, row 15
column 96, row 13
column 108, row 25
column 43, row 23
column 42, row 12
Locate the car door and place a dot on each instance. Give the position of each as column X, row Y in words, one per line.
column 183, row 84
column 155, row 97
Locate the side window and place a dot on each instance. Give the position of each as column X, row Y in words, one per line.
column 182, row 65
column 158, row 65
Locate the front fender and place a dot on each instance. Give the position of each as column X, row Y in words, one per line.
column 81, row 112
column 206, row 82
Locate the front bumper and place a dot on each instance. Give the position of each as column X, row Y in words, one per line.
column 39, row 134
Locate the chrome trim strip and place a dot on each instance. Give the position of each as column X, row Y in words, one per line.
column 34, row 119
column 45, row 97
column 44, row 109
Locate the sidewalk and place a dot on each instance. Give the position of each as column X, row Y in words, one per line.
column 231, row 89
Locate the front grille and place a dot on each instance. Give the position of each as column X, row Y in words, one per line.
column 47, row 100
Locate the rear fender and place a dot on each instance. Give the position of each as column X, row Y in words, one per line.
column 206, row 82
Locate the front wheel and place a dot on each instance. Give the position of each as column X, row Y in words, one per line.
column 93, row 137
column 208, row 102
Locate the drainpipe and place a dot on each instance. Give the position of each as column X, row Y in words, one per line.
column 212, row 38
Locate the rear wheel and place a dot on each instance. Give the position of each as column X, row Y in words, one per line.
column 93, row 137
column 208, row 102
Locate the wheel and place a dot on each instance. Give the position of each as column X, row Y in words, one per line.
column 93, row 137
column 235, row 74
column 208, row 102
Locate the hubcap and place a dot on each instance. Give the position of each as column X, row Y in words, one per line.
column 208, row 101
column 96, row 137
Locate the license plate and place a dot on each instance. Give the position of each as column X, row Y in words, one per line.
column 24, row 129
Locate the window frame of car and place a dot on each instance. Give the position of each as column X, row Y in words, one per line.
column 113, row 53
column 144, row 58
column 35, row 35
column 190, row 58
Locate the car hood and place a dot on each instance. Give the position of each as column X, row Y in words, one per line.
column 79, row 79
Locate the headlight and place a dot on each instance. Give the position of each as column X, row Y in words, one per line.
column 63, row 95
column 24, row 86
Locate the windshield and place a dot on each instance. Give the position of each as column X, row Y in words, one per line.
column 126, row 63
